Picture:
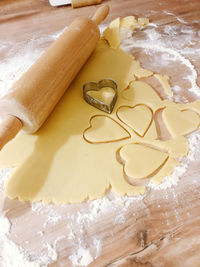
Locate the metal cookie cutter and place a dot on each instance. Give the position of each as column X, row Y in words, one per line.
column 92, row 86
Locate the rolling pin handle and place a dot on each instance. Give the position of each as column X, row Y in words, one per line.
column 9, row 128
column 101, row 14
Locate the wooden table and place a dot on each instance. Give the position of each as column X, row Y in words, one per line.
column 163, row 228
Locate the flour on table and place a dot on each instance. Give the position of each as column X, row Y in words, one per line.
column 4, row 174
column 4, row 226
column 81, row 257
column 194, row 143
column 170, row 51
column 11, row 254
column 152, row 43
column 178, row 18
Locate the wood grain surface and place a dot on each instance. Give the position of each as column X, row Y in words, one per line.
column 163, row 229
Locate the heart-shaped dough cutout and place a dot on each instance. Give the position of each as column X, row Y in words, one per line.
column 104, row 129
column 141, row 161
column 101, row 95
column 180, row 122
column 139, row 118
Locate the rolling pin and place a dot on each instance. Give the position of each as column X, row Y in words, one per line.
column 75, row 3
column 80, row 3
column 33, row 97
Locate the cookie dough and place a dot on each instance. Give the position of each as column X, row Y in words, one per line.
column 139, row 118
column 103, row 129
column 164, row 80
column 81, row 152
column 112, row 33
column 180, row 122
column 143, row 155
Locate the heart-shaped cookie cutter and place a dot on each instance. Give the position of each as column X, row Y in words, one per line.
column 93, row 86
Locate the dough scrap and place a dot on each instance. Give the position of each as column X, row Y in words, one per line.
column 143, row 21
column 58, row 164
column 164, row 80
column 129, row 22
column 138, row 71
column 112, row 32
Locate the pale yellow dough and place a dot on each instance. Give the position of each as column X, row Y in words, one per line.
column 103, row 129
column 146, row 160
column 143, row 21
column 180, row 122
column 81, row 152
column 139, row 118
column 112, row 33
column 129, row 22
column 164, row 80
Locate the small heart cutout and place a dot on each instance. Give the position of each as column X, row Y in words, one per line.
column 103, row 129
column 139, row 118
column 180, row 122
column 101, row 95
column 141, row 161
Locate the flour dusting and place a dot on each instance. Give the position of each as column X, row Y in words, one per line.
column 152, row 42
column 11, row 254
column 178, row 18
column 4, row 226
column 4, row 174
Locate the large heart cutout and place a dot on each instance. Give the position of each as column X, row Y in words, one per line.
column 104, row 129
column 141, row 161
column 180, row 122
column 101, row 95
column 139, row 118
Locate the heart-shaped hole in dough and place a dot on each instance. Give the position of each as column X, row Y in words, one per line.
column 180, row 122
column 140, row 162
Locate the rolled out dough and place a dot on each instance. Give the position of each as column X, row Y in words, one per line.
column 81, row 152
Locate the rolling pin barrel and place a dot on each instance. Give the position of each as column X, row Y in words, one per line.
column 81, row 3
column 35, row 94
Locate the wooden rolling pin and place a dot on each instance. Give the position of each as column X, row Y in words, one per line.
column 81, row 3
column 75, row 3
column 33, row 97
